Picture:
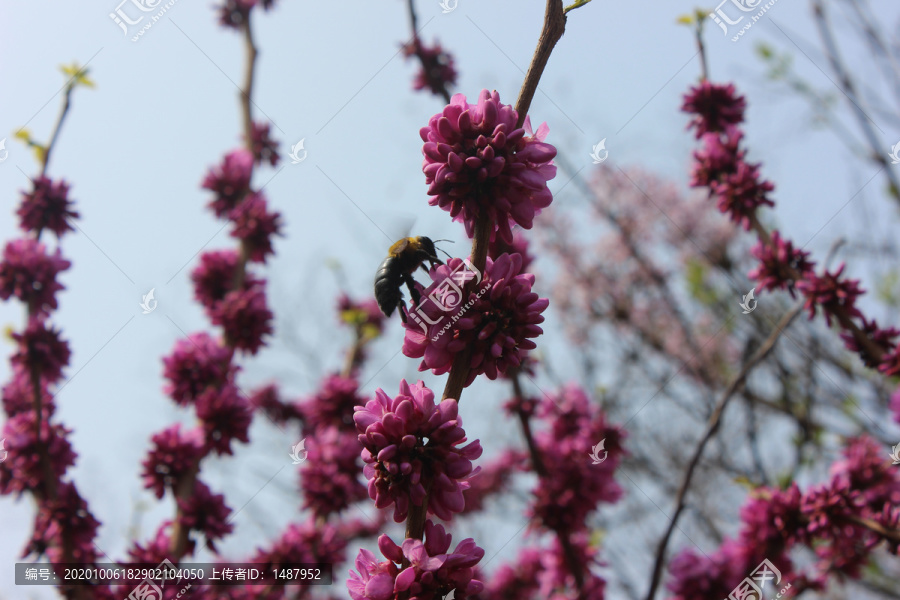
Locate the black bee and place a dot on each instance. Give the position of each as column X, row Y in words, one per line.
column 404, row 257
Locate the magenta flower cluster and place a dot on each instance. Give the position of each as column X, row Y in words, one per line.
column 46, row 206
column 28, row 272
column 497, row 321
column 721, row 166
column 411, row 448
column 480, row 163
column 432, row 573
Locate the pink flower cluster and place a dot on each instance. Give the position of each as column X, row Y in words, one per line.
column 721, row 166
column 841, row 521
column 233, row 298
column 412, row 453
column 478, row 161
column 433, row 571
column 574, row 487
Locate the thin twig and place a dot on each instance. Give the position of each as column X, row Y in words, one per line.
column 712, row 427
column 67, row 100
column 701, row 47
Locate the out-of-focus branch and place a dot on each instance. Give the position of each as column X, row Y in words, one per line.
column 540, row 469
column 246, row 94
column 713, row 426
column 849, row 89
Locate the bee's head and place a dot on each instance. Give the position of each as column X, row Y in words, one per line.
column 426, row 245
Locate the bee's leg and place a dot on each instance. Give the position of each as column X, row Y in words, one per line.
column 411, row 286
column 432, row 260
column 401, row 308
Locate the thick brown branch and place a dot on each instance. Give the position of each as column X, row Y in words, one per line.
column 554, row 27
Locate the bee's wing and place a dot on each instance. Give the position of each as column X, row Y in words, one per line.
column 396, row 224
